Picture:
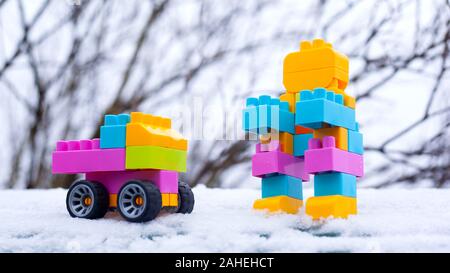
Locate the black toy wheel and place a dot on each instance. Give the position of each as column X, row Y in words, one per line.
column 185, row 198
column 88, row 200
column 139, row 201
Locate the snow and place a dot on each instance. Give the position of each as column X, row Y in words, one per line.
column 389, row 220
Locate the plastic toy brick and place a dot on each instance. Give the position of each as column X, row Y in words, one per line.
column 113, row 131
column 336, row 206
column 349, row 101
column 173, row 198
column 340, row 134
column 149, row 130
column 81, row 156
column 277, row 185
column 154, row 157
column 266, row 113
column 279, row 203
column 320, row 106
column 274, row 162
column 334, row 184
column 301, row 144
column 300, row 130
column 355, row 142
column 165, row 199
column 113, row 200
column 316, row 64
column 323, row 156
column 166, row 181
column 287, row 142
column 289, row 98
column 169, row 199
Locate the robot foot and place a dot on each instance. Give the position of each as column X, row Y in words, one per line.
column 279, row 203
column 336, row 206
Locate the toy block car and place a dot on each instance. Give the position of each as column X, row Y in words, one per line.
column 138, row 178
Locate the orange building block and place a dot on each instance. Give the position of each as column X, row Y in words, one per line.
column 169, row 199
column 165, row 199
column 148, row 130
column 317, row 64
column 349, row 101
column 173, row 199
column 287, row 143
column 113, row 200
column 340, row 134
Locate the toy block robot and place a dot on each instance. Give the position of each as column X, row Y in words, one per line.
column 310, row 129
column 132, row 168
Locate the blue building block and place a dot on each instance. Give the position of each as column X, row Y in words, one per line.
column 355, row 142
column 320, row 106
column 266, row 113
column 334, row 183
column 301, row 144
column 277, row 185
column 113, row 131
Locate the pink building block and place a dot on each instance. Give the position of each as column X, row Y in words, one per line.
column 166, row 181
column 325, row 157
column 81, row 156
column 264, row 163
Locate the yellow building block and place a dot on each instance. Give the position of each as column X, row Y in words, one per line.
column 279, row 203
column 336, row 206
column 287, row 143
column 148, row 130
column 317, row 64
column 169, row 199
column 165, row 199
column 173, row 199
column 289, row 98
column 340, row 134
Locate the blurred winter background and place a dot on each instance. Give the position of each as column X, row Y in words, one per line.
column 66, row 63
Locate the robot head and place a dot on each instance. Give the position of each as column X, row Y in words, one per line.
column 316, row 64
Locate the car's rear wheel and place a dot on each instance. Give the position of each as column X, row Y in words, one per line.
column 139, row 201
column 186, row 198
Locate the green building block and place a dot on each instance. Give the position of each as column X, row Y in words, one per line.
column 154, row 157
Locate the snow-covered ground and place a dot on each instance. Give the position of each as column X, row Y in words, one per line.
column 393, row 220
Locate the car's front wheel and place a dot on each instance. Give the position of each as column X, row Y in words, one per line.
column 86, row 199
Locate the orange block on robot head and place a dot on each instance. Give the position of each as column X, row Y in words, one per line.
column 317, row 64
